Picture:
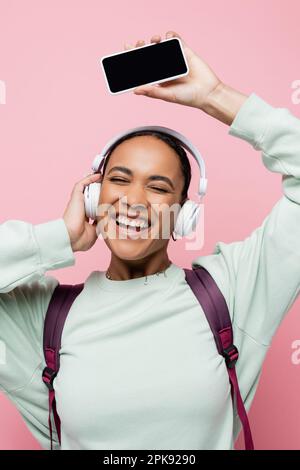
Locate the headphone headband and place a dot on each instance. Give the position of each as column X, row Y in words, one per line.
column 99, row 159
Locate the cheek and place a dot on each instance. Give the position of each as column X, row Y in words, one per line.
column 163, row 223
column 110, row 194
column 168, row 213
column 166, row 224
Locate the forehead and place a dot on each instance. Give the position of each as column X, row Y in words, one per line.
column 146, row 154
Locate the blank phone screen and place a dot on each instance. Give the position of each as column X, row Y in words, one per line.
column 144, row 65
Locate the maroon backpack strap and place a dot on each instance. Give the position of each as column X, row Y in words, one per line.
column 216, row 311
column 62, row 298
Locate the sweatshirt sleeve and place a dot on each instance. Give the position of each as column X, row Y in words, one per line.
column 26, row 252
column 260, row 275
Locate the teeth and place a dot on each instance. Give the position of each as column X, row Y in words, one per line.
column 136, row 223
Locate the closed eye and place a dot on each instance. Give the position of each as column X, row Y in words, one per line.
column 125, row 181
column 116, row 179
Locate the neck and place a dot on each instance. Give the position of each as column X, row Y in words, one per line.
column 122, row 270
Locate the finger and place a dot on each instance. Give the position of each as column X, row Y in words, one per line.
column 80, row 185
column 173, row 34
column 155, row 92
column 128, row 46
column 89, row 177
column 145, row 89
column 155, row 38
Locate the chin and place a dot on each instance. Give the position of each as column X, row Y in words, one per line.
column 128, row 249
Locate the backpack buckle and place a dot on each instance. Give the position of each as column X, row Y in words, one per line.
column 231, row 355
column 48, row 377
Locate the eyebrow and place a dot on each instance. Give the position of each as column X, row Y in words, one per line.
column 128, row 172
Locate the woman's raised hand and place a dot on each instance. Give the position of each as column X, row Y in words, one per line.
column 82, row 234
column 190, row 90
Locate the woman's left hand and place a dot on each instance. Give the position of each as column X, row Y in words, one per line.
column 191, row 90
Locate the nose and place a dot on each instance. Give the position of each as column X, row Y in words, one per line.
column 135, row 199
column 136, row 195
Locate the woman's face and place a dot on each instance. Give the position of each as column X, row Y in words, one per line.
column 132, row 191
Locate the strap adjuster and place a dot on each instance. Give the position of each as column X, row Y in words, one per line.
column 48, row 377
column 231, row 355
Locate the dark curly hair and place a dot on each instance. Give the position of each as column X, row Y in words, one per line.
column 173, row 143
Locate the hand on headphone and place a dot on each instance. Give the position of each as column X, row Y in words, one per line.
column 82, row 234
column 193, row 89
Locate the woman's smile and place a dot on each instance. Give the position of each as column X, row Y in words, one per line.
column 133, row 229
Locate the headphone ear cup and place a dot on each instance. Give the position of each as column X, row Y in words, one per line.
column 187, row 219
column 91, row 199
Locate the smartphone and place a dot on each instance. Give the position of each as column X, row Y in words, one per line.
column 152, row 63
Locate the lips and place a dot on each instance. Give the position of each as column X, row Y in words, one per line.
column 128, row 232
column 130, row 229
column 144, row 219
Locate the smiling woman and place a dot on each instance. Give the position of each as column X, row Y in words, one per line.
column 150, row 375
column 151, row 170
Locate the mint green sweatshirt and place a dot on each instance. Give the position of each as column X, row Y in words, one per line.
column 139, row 366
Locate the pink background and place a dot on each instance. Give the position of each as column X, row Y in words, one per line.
column 58, row 115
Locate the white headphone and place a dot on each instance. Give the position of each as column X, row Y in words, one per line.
column 188, row 215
